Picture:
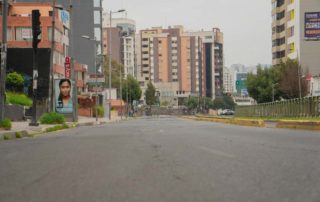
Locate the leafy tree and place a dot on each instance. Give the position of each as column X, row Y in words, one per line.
column 260, row 85
column 115, row 75
column 14, row 81
column 192, row 103
column 223, row 102
column 132, row 87
column 150, row 94
column 289, row 80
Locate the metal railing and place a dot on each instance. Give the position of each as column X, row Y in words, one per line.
column 304, row 107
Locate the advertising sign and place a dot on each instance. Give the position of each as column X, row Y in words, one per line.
column 65, row 18
column 67, row 66
column 63, row 96
column 312, row 26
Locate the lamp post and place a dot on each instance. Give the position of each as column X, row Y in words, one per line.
column 3, row 57
column 110, row 58
column 96, row 70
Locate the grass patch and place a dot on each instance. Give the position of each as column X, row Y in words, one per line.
column 6, row 137
column 6, row 124
column 52, row 118
column 282, row 118
column 56, row 128
column 18, row 99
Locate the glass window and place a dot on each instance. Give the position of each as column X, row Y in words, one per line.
column 24, row 33
column 97, row 17
column 97, row 33
column 96, row 3
column 9, row 34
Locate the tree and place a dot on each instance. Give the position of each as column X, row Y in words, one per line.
column 192, row 103
column 281, row 80
column 150, row 94
column 132, row 87
column 14, row 81
column 289, row 80
column 115, row 76
column 224, row 102
column 260, row 85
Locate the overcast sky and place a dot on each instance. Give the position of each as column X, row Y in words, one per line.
column 246, row 23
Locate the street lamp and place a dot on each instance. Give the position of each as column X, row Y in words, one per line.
column 110, row 58
column 96, row 69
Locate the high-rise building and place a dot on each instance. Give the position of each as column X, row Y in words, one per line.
column 123, row 32
column 86, row 20
column 191, row 59
column 228, row 80
column 296, row 32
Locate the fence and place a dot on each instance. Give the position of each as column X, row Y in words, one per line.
column 304, row 107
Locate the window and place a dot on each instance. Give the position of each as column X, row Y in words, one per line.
column 291, row 31
column 97, row 33
column 9, row 34
column 97, row 17
column 281, row 15
column 280, row 3
column 24, row 33
column 280, row 28
column 96, row 3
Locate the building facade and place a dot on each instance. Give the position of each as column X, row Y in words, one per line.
column 123, row 31
column 191, row 59
column 86, row 19
column 228, row 81
column 296, row 32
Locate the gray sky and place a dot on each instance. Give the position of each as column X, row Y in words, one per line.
column 246, row 23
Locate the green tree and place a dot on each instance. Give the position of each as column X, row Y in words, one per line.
column 192, row 102
column 116, row 69
column 132, row 87
column 223, row 102
column 289, row 81
column 14, row 81
column 150, row 94
column 260, row 85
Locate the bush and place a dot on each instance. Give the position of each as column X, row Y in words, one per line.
column 6, row 124
column 19, row 135
column 14, row 81
column 18, row 99
column 52, row 118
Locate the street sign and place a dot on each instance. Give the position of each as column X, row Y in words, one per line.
column 67, row 66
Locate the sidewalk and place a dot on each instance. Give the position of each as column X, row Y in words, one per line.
column 23, row 129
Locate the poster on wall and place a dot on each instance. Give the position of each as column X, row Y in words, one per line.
column 312, row 26
column 63, row 96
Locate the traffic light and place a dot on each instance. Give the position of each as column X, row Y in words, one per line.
column 36, row 29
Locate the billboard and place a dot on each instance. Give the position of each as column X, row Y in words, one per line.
column 63, row 96
column 312, row 26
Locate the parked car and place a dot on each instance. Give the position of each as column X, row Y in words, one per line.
column 227, row 112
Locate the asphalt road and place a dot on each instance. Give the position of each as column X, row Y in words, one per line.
column 163, row 160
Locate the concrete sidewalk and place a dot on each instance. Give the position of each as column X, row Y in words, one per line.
column 23, row 129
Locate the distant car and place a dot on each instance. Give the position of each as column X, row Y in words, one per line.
column 227, row 112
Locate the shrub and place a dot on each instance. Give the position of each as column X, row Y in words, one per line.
column 18, row 135
column 18, row 99
column 6, row 124
column 14, row 81
column 100, row 111
column 52, row 118
column 58, row 127
column 6, row 137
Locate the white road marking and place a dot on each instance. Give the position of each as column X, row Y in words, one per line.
column 216, row 152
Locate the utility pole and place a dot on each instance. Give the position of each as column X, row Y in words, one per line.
column 53, row 21
column 3, row 57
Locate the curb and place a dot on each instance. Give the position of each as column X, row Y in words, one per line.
column 300, row 125
column 234, row 121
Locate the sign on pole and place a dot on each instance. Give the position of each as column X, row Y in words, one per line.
column 67, row 66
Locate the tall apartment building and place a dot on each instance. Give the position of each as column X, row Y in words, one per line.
column 228, row 80
column 123, row 32
column 296, row 32
column 191, row 59
column 86, row 20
